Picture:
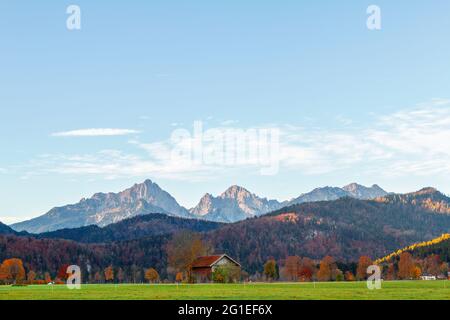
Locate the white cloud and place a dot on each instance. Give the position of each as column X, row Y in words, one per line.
column 95, row 132
column 413, row 141
column 410, row 142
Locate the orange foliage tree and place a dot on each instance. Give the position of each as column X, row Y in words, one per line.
column 406, row 266
column 416, row 272
column 325, row 272
column 179, row 277
column 109, row 274
column 151, row 275
column 363, row 263
column 292, row 268
column 391, row 274
column 12, row 271
column 349, row 276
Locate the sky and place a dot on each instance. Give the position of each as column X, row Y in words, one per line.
column 97, row 109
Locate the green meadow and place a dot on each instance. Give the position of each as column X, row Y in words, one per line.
column 397, row 290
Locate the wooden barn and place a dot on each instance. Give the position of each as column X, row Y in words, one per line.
column 204, row 267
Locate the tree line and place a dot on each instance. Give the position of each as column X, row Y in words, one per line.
column 169, row 259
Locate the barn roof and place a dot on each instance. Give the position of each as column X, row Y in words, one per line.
column 209, row 261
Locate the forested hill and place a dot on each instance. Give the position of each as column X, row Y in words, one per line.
column 345, row 229
column 133, row 228
column 4, row 229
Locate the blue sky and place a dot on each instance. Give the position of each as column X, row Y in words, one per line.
column 351, row 104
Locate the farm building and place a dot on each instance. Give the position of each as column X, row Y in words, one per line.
column 203, row 268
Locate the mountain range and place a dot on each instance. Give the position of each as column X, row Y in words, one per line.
column 235, row 204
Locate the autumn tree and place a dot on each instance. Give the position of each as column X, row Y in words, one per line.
column 326, row 270
column 432, row 265
column 12, row 270
column 270, row 269
column 109, row 274
column 416, row 272
column 182, row 251
column 62, row 272
column 406, row 266
column 361, row 271
column 391, row 274
column 349, row 276
column 306, row 270
column 151, row 275
column 47, row 277
column 179, row 277
column 31, row 275
column 291, row 268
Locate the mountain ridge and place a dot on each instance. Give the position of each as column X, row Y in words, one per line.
column 131, row 229
column 235, row 204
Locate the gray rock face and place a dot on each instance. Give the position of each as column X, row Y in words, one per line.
column 106, row 208
column 235, row 204
column 333, row 193
column 364, row 193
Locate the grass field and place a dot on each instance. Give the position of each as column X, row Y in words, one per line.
column 404, row 290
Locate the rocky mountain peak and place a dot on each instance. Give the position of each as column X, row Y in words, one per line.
column 358, row 191
column 235, row 192
column 234, row 204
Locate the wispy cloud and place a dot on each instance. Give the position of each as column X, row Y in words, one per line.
column 414, row 141
column 95, row 132
column 411, row 141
